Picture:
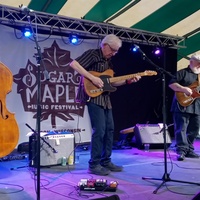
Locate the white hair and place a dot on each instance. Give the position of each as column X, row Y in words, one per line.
column 195, row 57
column 112, row 40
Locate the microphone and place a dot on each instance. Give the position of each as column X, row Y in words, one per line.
column 25, row 9
column 138, row 48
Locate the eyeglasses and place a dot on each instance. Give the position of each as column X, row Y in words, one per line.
column 113, row 50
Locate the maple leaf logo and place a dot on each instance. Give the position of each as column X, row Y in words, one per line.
column 58, row 94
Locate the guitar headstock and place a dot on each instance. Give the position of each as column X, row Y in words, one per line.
column 150, row 73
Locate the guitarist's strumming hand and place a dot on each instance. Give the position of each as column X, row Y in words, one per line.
column 187, row 91
column 97, row 81
column 179, row 88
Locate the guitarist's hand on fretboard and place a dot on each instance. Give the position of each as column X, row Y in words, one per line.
column 134, row 79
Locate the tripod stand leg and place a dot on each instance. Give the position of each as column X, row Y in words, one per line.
column 13, row 168
column 164, row 179
column 156, row 190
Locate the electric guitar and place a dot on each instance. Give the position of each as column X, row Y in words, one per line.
column 107, row 78
column 185, row 100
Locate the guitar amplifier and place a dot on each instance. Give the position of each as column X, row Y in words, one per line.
column 52, row 149
column 151, row 134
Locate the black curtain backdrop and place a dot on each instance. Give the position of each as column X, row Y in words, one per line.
column 141, row 102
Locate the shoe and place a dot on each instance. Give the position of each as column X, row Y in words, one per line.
column 181, row 157
column 191, row 154
column 112, row 167
column 99, row 170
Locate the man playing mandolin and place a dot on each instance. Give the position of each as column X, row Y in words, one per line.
column 99, row 106
column 186, row 108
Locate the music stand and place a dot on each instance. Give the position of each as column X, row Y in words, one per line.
column 166, row 176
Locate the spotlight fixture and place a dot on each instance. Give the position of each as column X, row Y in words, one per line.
column 134, row 48
column 26, row 32
column 73, row 39
column 157, row 51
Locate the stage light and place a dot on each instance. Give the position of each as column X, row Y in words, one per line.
column 26, row 32
column 73, row 39
column 134, row 48
column 157, row 51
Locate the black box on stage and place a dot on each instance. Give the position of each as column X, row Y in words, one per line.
column 62, row 143
column 152, row 134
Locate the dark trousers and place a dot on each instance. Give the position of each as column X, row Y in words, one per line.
column 102, row 135
column 186, row 128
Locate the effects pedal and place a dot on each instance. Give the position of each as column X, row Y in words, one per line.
column 97, row 185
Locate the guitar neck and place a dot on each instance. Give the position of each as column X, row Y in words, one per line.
column 125, row 77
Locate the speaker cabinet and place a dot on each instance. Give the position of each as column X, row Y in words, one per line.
column 63, row 144
column 152, row 134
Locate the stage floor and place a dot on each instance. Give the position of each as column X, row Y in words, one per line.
column 17, row 181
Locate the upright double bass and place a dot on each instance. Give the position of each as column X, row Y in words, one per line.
column 9, row 130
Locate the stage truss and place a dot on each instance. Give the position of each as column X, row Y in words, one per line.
column 64, row 26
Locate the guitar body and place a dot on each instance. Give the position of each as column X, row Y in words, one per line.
column 185, row 100
column 93, row 91
column 107, row 78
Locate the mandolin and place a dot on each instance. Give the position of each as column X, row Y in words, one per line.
column 9, row 130
column 107, row 78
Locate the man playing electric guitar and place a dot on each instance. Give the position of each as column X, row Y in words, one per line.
column 99, row 107
column 186, row 108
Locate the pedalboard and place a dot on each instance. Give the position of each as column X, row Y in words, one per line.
column 97, row 185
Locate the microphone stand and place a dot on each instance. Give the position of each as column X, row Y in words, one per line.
column 166, row 175
column 39, row 60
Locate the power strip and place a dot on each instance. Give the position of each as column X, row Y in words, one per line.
column 97, row 185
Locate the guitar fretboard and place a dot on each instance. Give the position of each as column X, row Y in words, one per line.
column 125, row 77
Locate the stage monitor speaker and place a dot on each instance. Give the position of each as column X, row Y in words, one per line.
column 62, row 143
column 151, row 134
